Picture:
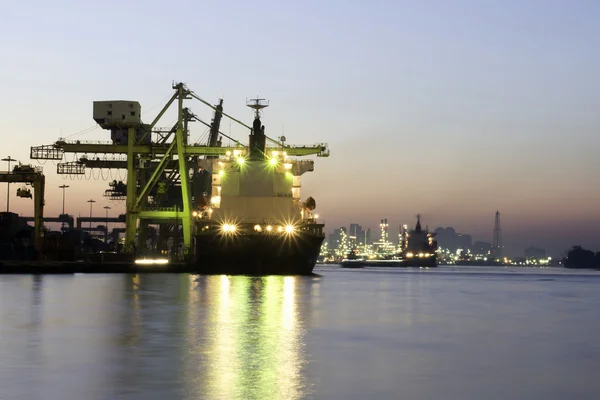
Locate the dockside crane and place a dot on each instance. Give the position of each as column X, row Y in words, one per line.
column 35, row 177
column 160, row 172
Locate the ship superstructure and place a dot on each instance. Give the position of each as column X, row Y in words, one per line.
column 419, row 247
column 255, row 221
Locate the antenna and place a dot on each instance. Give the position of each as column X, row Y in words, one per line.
column 497, row 246
column 257, row 104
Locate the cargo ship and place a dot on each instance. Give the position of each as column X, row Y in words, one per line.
column 419, row 247
column 251, row 220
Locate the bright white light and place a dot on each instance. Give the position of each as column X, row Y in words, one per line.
column 289, row 229
column 241, row 160
column 228, row 228
column 149, row 261
column 269, row 228
column 257, row 228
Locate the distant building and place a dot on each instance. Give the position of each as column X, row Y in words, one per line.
column 448, row 239
column 535, row 253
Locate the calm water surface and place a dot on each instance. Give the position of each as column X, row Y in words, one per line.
column 462, row 333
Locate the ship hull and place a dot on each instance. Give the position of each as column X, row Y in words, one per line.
column 257, row 254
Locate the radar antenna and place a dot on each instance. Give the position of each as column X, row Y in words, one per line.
column 257, row 104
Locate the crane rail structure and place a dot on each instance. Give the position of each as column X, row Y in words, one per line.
column 158, row 171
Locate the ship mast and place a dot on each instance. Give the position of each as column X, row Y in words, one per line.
column 257, row 145
column 257, row 104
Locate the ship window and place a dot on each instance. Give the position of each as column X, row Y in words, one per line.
column 123, row 116
column 130, row 105
column 132, row 113
column 109, row 113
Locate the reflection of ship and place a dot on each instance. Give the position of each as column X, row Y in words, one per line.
column 255, row 222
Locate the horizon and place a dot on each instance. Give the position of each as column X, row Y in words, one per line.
column 451, row 110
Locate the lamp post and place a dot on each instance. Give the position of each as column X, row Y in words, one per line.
column 9, row 160
column 63, row 187
column 91, row 204
column 106, row 224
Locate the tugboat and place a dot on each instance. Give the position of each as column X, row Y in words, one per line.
column 419, row 247
column 255, row 222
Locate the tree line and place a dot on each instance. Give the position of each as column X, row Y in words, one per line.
column 578, row 257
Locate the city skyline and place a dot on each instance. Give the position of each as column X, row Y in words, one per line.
column 448, row 109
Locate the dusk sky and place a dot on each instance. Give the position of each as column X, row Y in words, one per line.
column 450, row 109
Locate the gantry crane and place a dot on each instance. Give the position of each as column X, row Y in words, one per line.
column 160, row 188
column 35, row 177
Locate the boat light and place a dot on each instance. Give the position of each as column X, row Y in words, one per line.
column 289, row 228
column 241, row 160
column 273, row 161
column 151, row 261
column 287, row 166
column 409, row 255
column 257, row 228
column 269, row 228
column 280, row 229
column 228, row 228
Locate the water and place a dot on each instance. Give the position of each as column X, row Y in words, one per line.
column 450, row 333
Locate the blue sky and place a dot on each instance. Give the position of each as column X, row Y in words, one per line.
column 451, row 109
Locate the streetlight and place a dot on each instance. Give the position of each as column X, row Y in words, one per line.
column 106, row 225
column 91, row 204
column 63, row 187
column 9, row 160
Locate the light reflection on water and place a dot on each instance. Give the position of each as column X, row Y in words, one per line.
column 445, row 333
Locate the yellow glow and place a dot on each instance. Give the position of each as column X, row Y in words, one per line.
column 269, row 228
column 290, row 229
column 287, row 166
column 215, row 199
column 409, row 255
column 280, row 229
column 241, row 160
column 257, row 228
column 288, row 175
column 194, row 214
column 228, row 228
column 275, row 153
column 221, row 172
column 273, row 161
column 420, row 254
column 149, row 261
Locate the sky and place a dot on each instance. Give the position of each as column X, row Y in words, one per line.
column 448, row 109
